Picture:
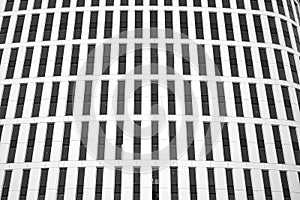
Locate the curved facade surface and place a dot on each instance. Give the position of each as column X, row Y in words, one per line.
column 149, row 99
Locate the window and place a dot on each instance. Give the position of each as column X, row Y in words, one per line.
column 118, row 183
column 6, row 184
column 4, row 29
column 43, row 183
column 184, row 24
column 269, row 6
column 104, row 97
column 190, row 140
column 280, row 7
column 71, row 98
column 59, row 60
column 254, row 101
column 290, row 8
column 230, row 185
column 258, row 28
column 249, row 62
column 4, row 101
column 295, row 144
column 54, row 99
column 1, row 129
column 101, row 140
column 21, row 100
column 278, row 145
column 154, row 97
column 287, row 103
column 121, row 98
column 221, row 99
column 201, row 59
column 137, row 140
column 48, row 142
column 108, row 24
column 172, row 140
column 280, row 64
column 243, row 142
column 74, row 59
column 285, row 185
column 296, row 37
column 264, row 63
column 95, row 3
column 199, row 25
column 271, row 101
column 83, row 140
column 244, row 27
column 80, row 3
column 90, row 59
column 124, row 2
column 188, row 98
column 37, row 4
column 9, row 5
column 48, row 27
column 204, row 98
column 171, row 98
column 30, row 143
column 211, row 3
column 109, row 2
column 174, row 183
column 106, row 59
column 37, row 99
column 13, row 143
column 138, row 59
column 119, row 140
column 153, row 23
column 43, row 61
column 63, row 26
column 33, row 27
column 169, row 24
column 87, row 98
column 168, row 2
column 185, row 59
column 66, row 141
column 93, row 25
column 154, row 58
column 80, row 183
column 138, row 2
column 240, row 4
column 66, row 3
column 293, row 68
column 248, row 183
column 78, row 25
column 123, row 23
column 226, row 3
column 136, row 183
column 273, row 30
column 138, row 24
column 228, row 26
column 153, row 2
column 254, row 5
column 211, row 184
column 233, row 61
column 297, row 11
column 208, row 142
column 155, row 183
column 298, row 97
column 214, row 25
column 24, row 184
column 99, row 183
column 170, row 58
column 267, row 186
column 260, row 143
column 61, row 183
column 12, row 63
column 193, row 183
column 122, row 58
column 217, row 60
column 226, row 141
column 197, row 3
column 286, row 33
column 154, row 140
column 18, row 28
column 137, row 97
column 51, row 3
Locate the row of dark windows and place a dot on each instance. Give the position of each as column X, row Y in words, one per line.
column 184, row 29
column 154, row 55
column 136, row 187
column 137, row 109
column 137, row 134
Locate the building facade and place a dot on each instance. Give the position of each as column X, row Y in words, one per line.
column 149, row 99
